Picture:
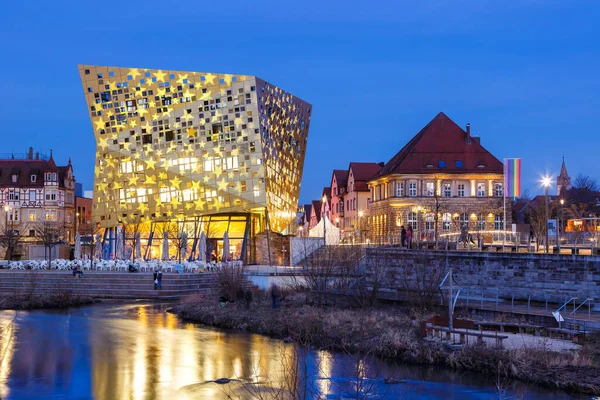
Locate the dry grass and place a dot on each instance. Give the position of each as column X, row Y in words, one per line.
column 58, row 299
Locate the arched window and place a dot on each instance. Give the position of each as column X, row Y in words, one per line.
column 446, row 221
column 429, row 222
column 412, row 220
column 481, row 221
column 464, row 221
column 499, row 222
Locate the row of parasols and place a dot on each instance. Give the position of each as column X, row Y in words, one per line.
column 120, row 247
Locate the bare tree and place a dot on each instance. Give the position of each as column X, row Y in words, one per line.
column 50, row 235
column 586, row 182
column 536, row 214
column 10, row 240
column 133, row 229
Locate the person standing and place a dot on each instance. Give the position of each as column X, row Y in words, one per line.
column 409, row 234
column 159, row 278
column 402, row 236
column 155, row 279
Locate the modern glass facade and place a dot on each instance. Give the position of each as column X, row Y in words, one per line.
column 178, row 147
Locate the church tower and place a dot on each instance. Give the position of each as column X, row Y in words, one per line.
column 563, row 181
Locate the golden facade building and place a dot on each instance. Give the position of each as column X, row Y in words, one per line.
column 442, row 182
column 203, row 151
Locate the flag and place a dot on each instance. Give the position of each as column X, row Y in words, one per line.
column 512, row 177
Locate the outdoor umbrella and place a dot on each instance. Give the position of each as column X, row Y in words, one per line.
column 98, row 251
column 77, row 254
column 202, row 251
column 184, row 245
column 138, row 246
column 165, row 249
column 225, row 246
column 119, row 246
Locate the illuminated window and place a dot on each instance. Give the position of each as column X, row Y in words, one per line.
column 412, row 220
column 481, row 189
column 481, row 222
column 430, row 189
column 447, row 190
column 446, row 221
column 464, row 220
column 498, row 222
column 50, row 215
column 429, row 222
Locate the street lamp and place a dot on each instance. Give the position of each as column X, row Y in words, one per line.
column 546, row 184
column 324, row 218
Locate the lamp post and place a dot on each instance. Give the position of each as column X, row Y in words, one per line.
column 546, row 184
column 324, row 220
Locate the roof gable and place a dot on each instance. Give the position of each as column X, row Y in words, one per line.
column 442, row 146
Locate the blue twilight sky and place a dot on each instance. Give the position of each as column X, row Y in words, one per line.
column 524, row 73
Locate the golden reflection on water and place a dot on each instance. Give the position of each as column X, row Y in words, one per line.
column 7, row 345
column 155, row 356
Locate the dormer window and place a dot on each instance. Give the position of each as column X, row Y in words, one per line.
column 15, row 177
column 33, row 178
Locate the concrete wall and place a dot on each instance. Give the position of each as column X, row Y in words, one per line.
column 541, row 276
column 302, row 247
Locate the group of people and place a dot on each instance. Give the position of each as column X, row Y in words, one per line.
column 406, row 236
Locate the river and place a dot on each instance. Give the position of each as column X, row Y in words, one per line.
column 139, row 351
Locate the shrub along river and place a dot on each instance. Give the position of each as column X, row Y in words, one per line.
column 139, row 351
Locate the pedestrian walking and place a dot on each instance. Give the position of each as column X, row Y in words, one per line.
column 402, row 236
column 159, row 278
column 409, row 235
column 155, row 279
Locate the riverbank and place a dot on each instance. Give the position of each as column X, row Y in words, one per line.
column 393, row 333
column 60, row 299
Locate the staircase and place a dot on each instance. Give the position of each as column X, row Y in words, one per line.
column 105, row 285
column 335, row 256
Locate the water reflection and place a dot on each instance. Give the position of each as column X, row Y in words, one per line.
column 138, row 351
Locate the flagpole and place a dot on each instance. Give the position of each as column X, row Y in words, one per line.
column 504, row 207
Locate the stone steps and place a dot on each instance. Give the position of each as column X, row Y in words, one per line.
column 105, row 284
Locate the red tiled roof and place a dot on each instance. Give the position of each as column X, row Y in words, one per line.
column 363, row 171
column 316, row 208
column 442, row 140
column 24, row 169
column 341, row 177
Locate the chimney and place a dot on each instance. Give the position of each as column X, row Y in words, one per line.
column 30, row 154
column 37, row 155
column 468, row 134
